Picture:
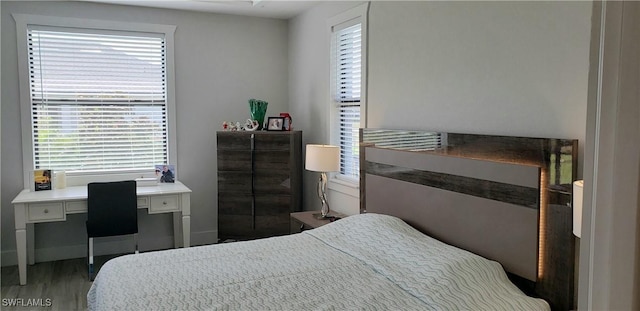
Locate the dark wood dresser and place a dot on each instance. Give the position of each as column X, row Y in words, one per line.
column 259, row 182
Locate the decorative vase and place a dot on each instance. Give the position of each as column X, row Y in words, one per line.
column 257, row 110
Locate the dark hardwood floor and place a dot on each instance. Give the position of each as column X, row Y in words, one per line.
column 56, row 285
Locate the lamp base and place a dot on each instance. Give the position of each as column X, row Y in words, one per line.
column 319, row 216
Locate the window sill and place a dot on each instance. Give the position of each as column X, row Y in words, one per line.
column 346, row 187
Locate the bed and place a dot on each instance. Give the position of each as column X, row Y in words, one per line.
column 496, row 239
column 360, row 262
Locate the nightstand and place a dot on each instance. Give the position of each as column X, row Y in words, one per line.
column 301, row 221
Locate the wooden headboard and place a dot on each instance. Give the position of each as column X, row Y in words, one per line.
column 504, row 198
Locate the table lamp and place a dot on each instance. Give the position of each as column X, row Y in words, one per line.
column 577, row 207
column 323, row 159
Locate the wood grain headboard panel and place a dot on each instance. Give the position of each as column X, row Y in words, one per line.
column 487, row 222
column 504, row 198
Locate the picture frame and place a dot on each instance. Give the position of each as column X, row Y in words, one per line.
column 275, row 124
column 41, row 179
column 165, row 173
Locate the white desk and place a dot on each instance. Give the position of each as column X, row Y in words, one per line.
column 54, row 205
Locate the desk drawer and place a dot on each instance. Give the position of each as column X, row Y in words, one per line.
column 143, row 202
column 39, row 212
column 76, row 207
column 164, row 203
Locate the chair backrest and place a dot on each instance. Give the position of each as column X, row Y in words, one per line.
column 112, row 208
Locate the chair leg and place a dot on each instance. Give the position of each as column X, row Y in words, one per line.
column 135, row 240
column 90, row 259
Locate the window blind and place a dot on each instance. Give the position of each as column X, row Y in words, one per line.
column 348, row 85
column 98, row 100
column 404, row 140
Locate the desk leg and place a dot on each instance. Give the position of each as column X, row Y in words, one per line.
column 186, row 230
column 177, row 230
column 21, row 241
column 185, row 203
column 181, row 230
column 31, row 244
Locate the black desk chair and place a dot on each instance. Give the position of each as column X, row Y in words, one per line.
column 112, row 210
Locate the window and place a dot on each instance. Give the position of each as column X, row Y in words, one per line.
column 98, row 100
column 348, row 72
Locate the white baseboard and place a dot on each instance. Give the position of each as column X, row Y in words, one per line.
column 204, row 238
column 108, row 246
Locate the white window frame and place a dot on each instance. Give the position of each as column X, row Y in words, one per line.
column 358, row 14
column 22, row 23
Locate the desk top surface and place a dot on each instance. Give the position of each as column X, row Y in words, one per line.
column 80, row 193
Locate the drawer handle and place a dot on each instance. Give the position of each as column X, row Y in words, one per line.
column 164, row 202
column 46, row 211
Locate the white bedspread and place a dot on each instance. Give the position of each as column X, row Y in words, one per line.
column 364, row 262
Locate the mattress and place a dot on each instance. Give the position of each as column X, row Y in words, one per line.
column 363, row 262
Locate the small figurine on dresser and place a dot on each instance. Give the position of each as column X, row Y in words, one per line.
column 251, row 125
column 231, row 126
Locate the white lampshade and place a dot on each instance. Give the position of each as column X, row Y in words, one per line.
column 577, row 207
column 322, row 158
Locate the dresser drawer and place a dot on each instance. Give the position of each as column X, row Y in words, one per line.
column 234, row 160
column 163, row 204
column 238, row 140
column 45, row 212
column 274, row 141
column 234, row 181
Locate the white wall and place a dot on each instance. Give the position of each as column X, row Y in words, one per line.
column 505, row 68
column 221, row 61
column 511, row 68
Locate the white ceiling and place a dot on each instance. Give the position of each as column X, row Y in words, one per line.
column 259, row 8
